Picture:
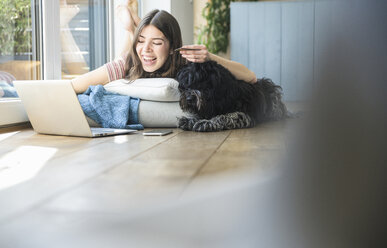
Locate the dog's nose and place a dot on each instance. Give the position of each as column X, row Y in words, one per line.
column 190, row 98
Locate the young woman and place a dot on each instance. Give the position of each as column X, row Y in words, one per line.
column 151, row 45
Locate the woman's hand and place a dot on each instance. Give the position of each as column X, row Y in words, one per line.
column 199, row 55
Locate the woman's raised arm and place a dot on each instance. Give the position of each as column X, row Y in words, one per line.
column 127, row 14
column 201, row 55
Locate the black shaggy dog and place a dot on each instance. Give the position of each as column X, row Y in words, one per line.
column 216, row 100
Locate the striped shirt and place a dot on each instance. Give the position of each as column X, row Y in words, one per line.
column 116, row 69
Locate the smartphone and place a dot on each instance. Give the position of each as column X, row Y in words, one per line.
column 160, row 132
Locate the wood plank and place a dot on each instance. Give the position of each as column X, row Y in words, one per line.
column 63, row 171
column 159, row 173
column 64, row 144
column 120, row 172
column 256, row 148
column 9, row 138
column 14, row 127
column 248, row 153
column 130, row 174
column 259, row 148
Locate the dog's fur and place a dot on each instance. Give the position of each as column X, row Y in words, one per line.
column 216, row 100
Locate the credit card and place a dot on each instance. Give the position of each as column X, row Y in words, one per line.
column 186, row 49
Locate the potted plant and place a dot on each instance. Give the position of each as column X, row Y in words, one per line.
column 215, row 35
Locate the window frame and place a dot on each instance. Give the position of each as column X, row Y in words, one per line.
column 46, row 21
column 50, row 40
column 11, row 109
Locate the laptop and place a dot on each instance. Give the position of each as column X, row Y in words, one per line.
column 53, row 108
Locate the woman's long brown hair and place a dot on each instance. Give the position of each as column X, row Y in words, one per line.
column 169, row 26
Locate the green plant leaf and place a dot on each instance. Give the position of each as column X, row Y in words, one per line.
column 215, row 34
column 15, row 21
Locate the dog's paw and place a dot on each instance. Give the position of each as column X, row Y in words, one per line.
column 205, row 126
column 186, row 123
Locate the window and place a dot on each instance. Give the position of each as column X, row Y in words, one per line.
column 83, row 36
column 19, row 54
column 48, row 39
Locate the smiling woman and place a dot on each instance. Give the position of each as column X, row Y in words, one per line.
column 155, row 40
column 152, row 48
column 151, row 53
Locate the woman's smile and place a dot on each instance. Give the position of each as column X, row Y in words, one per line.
column 152, row 48
column 149, row 60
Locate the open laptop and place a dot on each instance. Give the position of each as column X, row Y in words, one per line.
column 53, row 108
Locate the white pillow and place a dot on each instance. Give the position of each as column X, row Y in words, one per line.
column 151, row 89
column 159, row 114
column 155, row 114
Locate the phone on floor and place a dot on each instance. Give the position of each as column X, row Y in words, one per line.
column 160, row 132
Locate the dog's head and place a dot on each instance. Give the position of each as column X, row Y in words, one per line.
column 201, row 89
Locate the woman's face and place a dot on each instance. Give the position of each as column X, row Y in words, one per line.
column 152, row 48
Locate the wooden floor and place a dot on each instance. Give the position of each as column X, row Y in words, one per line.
column 52, row 178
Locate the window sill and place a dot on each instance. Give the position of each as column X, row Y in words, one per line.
column 11, row 112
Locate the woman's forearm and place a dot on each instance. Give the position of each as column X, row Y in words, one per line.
column 200, row 54
column 240, row 71
column 95, row 77
column 127, row 13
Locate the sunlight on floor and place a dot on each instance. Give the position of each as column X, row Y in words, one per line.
column 23, row 164
column 120, row 139
column 7, row 135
